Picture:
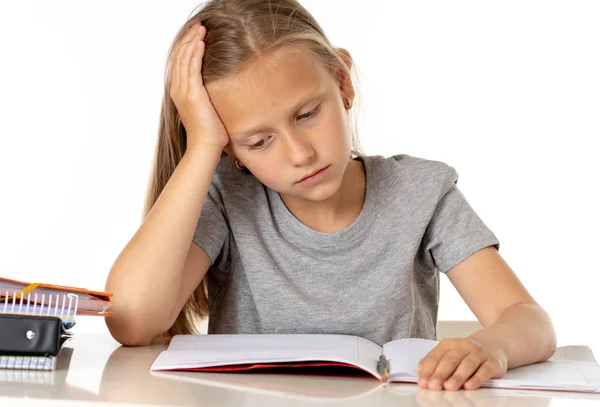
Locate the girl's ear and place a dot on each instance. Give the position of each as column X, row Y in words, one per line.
column 228, row 150
column 345, row 81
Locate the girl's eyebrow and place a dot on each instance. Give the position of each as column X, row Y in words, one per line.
column 307, row 99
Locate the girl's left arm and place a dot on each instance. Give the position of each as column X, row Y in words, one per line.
column 517, row 331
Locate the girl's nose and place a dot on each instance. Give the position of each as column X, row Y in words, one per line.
column 299, row 149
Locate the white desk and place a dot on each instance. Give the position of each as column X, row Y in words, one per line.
column 102, row 373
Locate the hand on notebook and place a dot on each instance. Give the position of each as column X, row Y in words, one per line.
column 461, row 361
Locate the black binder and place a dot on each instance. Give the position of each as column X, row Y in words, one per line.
column 30, row 335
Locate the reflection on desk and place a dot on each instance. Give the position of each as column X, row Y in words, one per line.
column 116, row 374
column 43, row 384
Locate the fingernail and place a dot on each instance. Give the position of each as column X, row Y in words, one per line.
column 423, row 381
column 450, row 383
column 435, row 382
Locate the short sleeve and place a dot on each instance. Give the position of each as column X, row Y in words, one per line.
column 455, row 231
column 212, row 228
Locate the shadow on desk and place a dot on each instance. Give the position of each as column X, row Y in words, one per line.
column 126, row 378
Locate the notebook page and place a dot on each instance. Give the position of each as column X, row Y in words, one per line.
column 571, row 368
column 580, row 353
column 404, row 354
column 189, row 351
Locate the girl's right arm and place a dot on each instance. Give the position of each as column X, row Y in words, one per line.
column 146, row 278
column 160, row 266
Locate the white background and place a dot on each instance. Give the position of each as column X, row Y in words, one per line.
column 508, row 93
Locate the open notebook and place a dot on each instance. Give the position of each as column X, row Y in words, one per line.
column 572, row 368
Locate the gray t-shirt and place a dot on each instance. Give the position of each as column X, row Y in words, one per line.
column 378, row 278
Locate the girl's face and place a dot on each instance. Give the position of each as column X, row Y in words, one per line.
column 286, row 120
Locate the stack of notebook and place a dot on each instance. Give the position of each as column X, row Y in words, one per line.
column 35, row 321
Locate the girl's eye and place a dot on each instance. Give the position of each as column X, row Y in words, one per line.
column 259, row 144
column 309, row 114
column 263, row 142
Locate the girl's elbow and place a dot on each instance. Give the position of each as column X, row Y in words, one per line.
column 131, row 334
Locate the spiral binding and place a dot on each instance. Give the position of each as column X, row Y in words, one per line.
column 63, row 306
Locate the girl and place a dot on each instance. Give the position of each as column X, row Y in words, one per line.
column 264, row 215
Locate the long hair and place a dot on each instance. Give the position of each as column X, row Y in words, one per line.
column 238, row 31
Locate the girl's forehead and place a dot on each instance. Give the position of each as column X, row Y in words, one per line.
column 282, row 67
column 267, row 84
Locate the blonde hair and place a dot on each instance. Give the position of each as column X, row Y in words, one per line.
column 238, row 31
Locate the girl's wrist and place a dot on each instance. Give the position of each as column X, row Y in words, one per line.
column 204, row 150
